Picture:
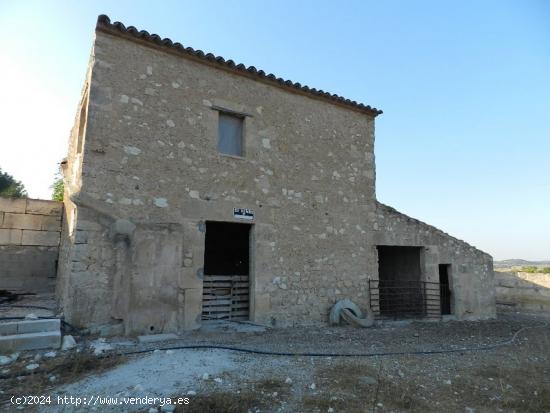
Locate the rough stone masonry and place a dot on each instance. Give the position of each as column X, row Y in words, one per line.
column 147, row 177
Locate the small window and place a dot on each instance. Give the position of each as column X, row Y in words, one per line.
column 230, row 134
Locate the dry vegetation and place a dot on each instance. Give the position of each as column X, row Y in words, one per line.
column 263, row 395
column 358, row 388
column 52, row 372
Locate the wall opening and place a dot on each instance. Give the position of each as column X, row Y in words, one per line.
column 401, row 291
column 445, row 288
column 226, row 271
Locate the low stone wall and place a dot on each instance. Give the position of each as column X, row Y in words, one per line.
column 529, row 291
column 29, row 244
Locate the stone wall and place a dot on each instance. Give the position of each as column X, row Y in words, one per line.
column 29, row 243
column 150, row 158
column 144, row 175
column 472, row 278
column 529, row 291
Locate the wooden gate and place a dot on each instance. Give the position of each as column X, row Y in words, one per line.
column 225, row 297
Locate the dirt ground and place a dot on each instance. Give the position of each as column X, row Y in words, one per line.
column 514, row 377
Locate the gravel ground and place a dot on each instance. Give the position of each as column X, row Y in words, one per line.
column 402, row 336
column 509, row 378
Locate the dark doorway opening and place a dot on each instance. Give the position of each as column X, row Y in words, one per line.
column 226, row 249
column 444, row 289
column 401, row 292
column 226, row 271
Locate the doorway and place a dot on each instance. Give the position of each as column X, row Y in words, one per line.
column 445, row 289
column 226, row 271
column 401, row 292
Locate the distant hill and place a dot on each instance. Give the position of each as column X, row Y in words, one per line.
column 520, row 263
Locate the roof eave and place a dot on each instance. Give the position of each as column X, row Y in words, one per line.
column 153, row 40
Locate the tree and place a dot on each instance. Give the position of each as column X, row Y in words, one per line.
column 58, row 189
column 11, row 188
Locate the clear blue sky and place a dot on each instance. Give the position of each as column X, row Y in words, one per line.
column 464, row 141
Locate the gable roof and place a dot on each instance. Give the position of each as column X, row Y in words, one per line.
column 117, row 28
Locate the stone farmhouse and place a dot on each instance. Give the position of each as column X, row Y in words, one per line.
column 198, row 189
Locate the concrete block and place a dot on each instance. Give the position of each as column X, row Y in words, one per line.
column 22, row 221
column 17, row 205
column 30, row 341
column 29, row 326
column 10, row 236
column 51, row 223
column 43, row 207
column 37, row 326
column 45, row 238
column 30, row 265
column 34, row 284
column 8, row 329
column 153, row 338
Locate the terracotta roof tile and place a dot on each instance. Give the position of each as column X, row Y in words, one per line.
column 104, row 24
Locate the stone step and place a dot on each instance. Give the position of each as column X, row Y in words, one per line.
column 30, row 341
column 29, row 326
